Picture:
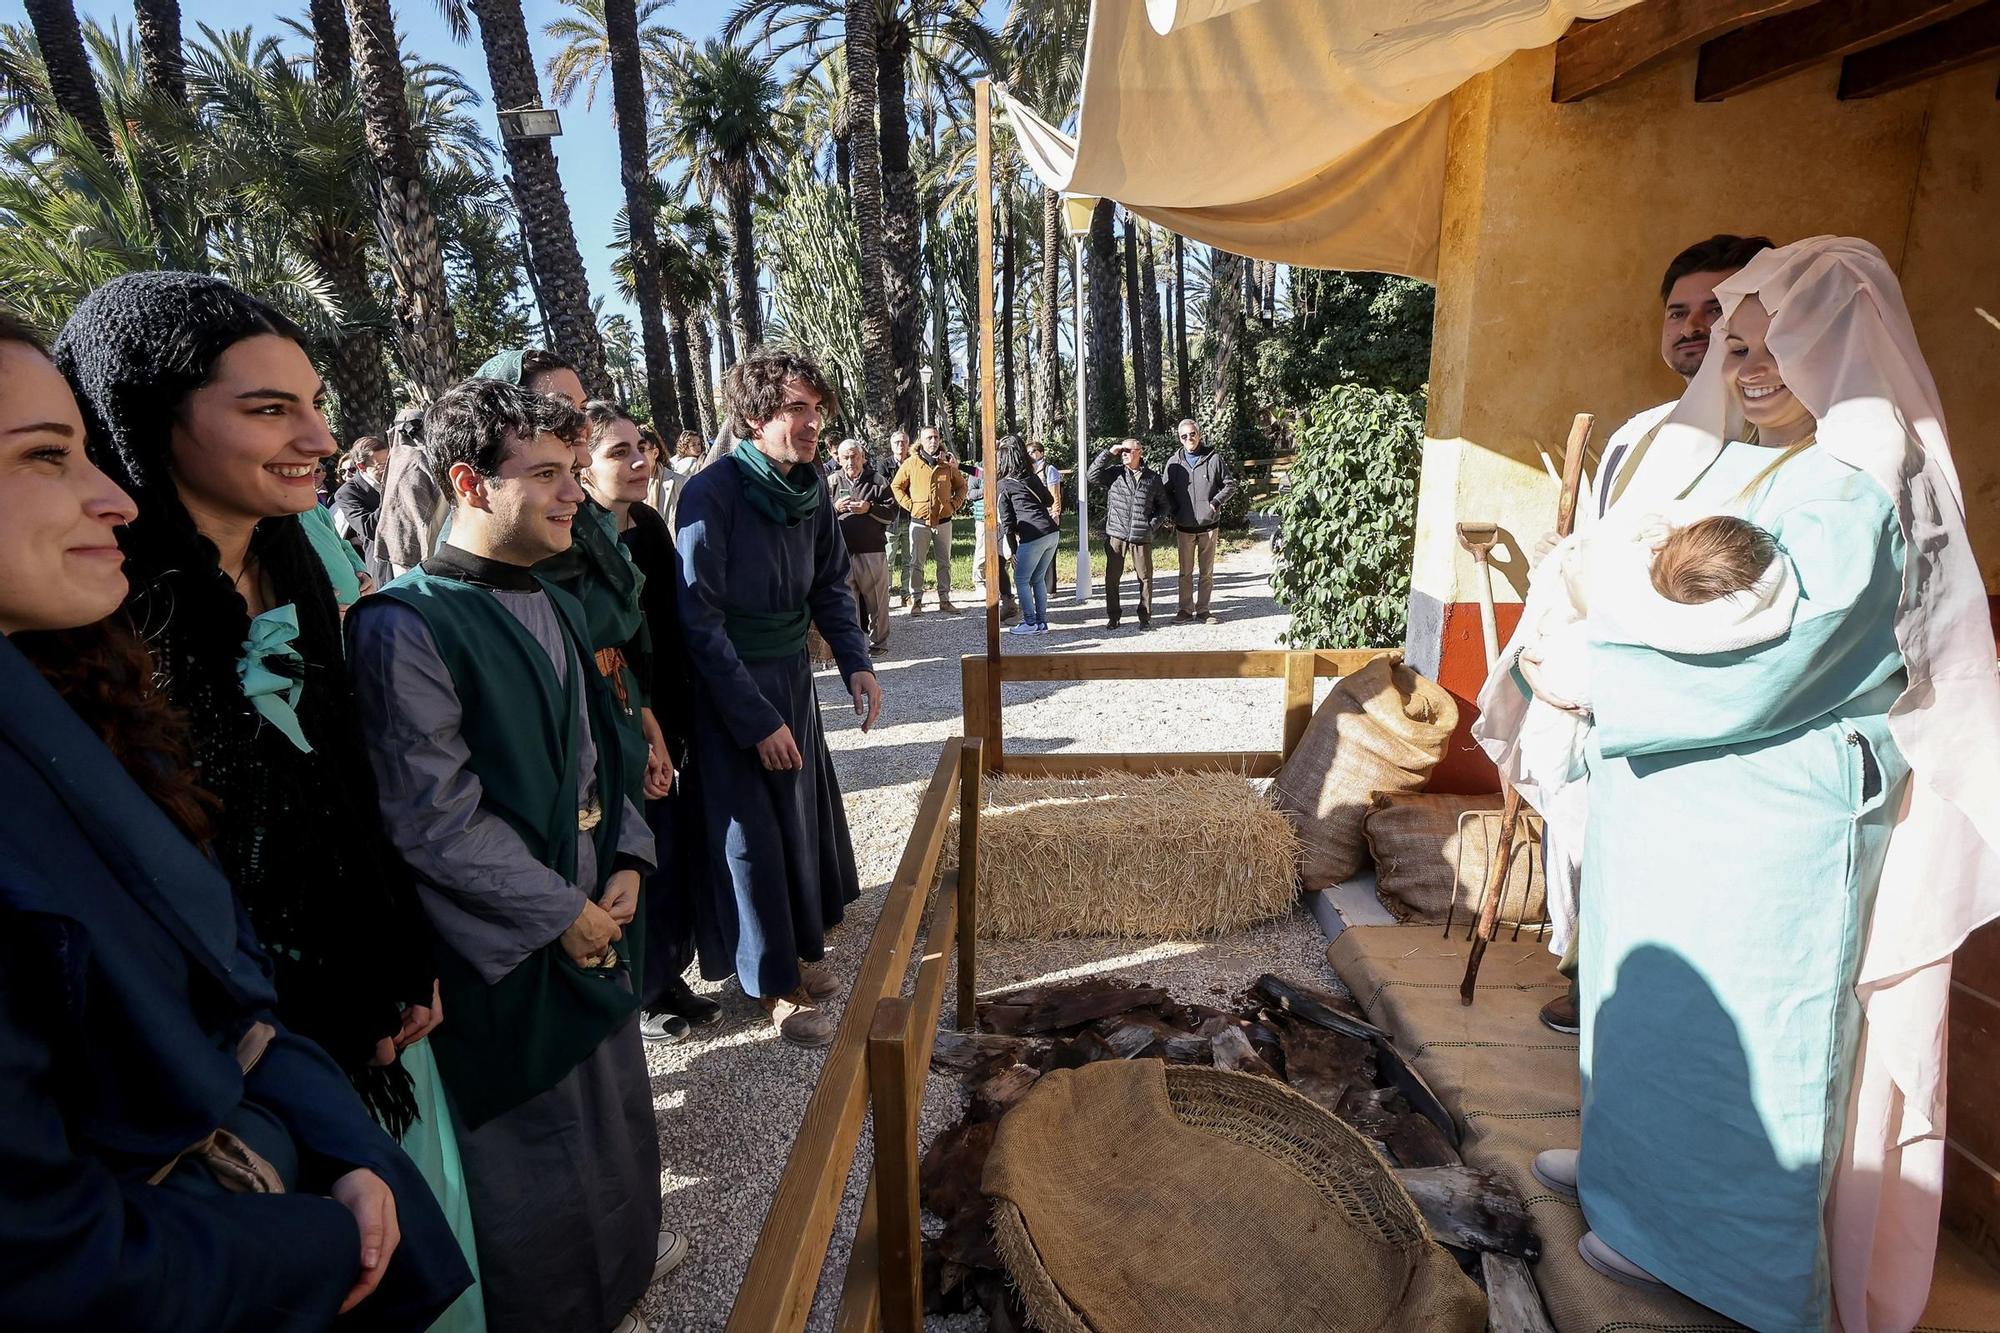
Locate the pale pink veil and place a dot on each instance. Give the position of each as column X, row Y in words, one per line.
column 1843, row 340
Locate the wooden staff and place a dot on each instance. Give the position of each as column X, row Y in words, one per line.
column 1494, row 889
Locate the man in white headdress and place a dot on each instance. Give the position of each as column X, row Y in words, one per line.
column 1785, row 844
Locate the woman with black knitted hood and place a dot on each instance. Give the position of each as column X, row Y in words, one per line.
column 200, row 401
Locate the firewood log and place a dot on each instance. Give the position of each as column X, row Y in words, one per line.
column 1473, row 1210
column 1061, row 1008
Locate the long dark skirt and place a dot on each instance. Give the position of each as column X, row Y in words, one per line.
column 780, row 864
column 565, row 1192
column 668, row 905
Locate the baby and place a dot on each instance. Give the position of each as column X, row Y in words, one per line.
column 1713, row 584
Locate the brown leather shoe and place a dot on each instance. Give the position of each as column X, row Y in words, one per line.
column 797, row 1020
column 1560, row 1015
column 817, row 980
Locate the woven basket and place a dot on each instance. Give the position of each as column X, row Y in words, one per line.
column 1335, row 1244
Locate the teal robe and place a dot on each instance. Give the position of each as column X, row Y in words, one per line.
column 1741, row 805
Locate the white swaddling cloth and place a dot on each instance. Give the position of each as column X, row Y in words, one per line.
column 1597, row 586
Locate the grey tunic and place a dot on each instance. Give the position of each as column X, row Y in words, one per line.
column 564, row 1187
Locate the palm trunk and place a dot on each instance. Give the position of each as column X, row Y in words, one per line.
column 724, row 334
column 865, row 187
column 1109, row 413
column 689, row 416
column 1048, row 389
column 429, row 342
column 355, row 369
column 162, row 65
column 902, row 257
column 1007, row 321
column 1183, row 389
column 1135, row 320
column 1155, row 390
column 940, row 349
column 60, row 38
column 333, row 46
column 628, row 117
column 545, row 220
column 743, row 257
column 704, row 391
column 843, row 163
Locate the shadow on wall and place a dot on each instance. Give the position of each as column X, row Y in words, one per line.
column 1679, row 1173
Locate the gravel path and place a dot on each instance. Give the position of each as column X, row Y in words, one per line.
column 731, row 1098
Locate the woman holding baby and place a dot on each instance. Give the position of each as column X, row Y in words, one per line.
column 1785, row 842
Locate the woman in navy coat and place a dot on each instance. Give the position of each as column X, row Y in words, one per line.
column 172, row 1157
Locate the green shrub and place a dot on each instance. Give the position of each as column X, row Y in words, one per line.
column 1347, row 519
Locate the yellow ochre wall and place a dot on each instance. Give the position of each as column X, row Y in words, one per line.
column 1559, row 220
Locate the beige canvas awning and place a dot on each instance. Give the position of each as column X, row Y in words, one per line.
column 1307, row 131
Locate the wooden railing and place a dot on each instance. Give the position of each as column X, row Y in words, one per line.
column 1298, row 668
column 881, row 1053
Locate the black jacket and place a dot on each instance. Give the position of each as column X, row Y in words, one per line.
column 1135, row 503
column 1198, row 490
column 1024, row 510
column 357, row 508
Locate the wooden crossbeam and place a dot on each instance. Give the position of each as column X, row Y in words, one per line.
column 1593, row 56
column 1939, row 49
column 1763, row 52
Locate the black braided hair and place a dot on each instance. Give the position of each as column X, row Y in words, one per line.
column 300, row 835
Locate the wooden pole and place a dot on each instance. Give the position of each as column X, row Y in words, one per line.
column 1495, row 887
column 971, row 778
column 982, row 104
column 896, row 1204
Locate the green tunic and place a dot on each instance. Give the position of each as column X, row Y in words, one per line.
column 1741, row 805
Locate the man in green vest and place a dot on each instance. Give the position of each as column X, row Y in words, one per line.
column 496, row 744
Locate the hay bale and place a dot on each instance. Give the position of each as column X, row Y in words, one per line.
column 1173, row 856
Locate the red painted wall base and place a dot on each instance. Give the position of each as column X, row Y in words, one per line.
column 1465, row 769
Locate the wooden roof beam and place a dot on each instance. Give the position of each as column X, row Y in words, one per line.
column 1591, row 57
column 1763, row 52
column 1953, row 44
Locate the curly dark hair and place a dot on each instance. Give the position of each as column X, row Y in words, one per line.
column 1717, row 254
column 540, row 361
column 476, row 422
column 104, row 673
column 601, row 412
column 754, row 388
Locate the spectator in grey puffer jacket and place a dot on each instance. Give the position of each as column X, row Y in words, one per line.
column 1135, row 506
column 1198, row 486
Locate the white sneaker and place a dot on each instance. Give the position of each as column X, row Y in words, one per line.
column 634, row 1322
column 1556, row 1169
column 673, row 1248
column 1613, row 1264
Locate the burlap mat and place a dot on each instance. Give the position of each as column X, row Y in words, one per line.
column 1130, row 1198
column 1512, row 1085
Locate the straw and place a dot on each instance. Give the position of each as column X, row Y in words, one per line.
column 1172, row 856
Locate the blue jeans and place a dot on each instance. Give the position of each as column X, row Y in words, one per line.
column 1033, row 563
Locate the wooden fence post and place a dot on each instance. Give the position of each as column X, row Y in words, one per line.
column 1298, row 698
column 971, row 776
column 896, row 1204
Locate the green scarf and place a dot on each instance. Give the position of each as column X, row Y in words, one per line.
column 786, row 498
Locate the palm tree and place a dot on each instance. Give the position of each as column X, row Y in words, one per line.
column 1135, row 322
column 726, row 122
column 693, row 254
column 614, row 34
column 333, row 45
column 585, row 56
column 404, row 219
column 878, row 366
column 912, row 38
column 159, row 23
column 1183, row 385
column 1108, row 408
column 560, row 280
column 820, row 97
column 1155, row 391
column 287, row 149
column 59, row 37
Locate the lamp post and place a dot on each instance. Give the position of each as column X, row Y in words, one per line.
column 1076, row 215
column 924, row 373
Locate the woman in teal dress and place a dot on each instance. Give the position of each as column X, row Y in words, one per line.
column 1742, row 807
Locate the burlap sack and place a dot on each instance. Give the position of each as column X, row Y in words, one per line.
column 1384, row 728
column 1133, row 1197
column 1420, row 869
